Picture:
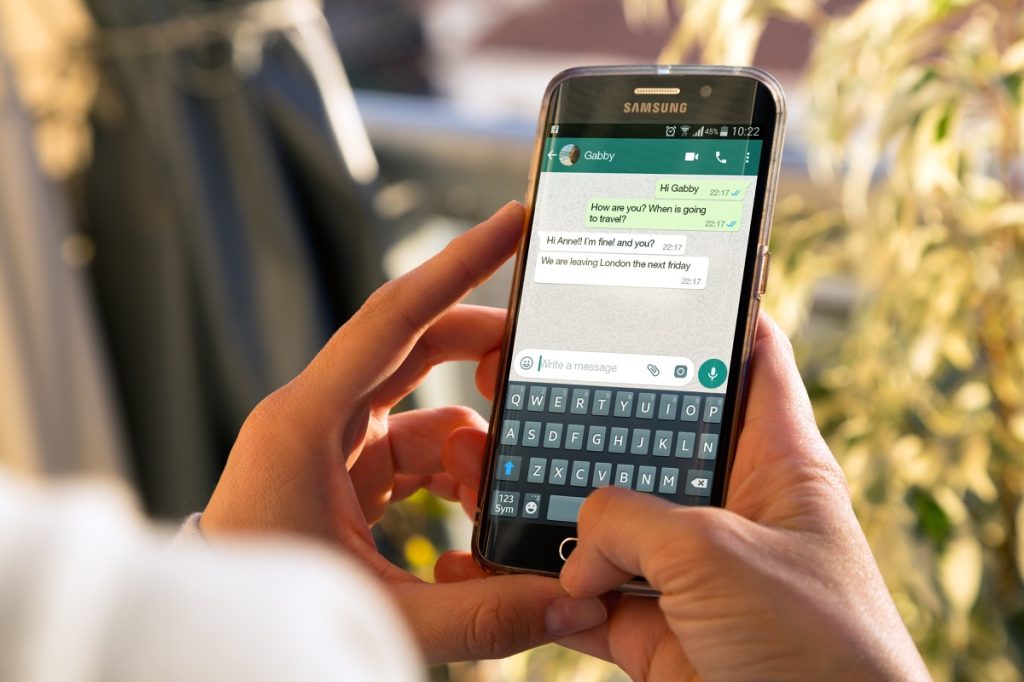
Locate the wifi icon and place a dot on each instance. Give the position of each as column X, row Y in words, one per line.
column 683, row 130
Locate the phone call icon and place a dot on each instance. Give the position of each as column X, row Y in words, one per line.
column 718, row 157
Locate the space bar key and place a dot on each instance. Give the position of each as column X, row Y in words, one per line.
column 564, row 508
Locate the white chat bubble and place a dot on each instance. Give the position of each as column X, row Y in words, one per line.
column 589, row 242
column 615, row 270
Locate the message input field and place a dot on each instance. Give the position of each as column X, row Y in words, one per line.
column 610, row 368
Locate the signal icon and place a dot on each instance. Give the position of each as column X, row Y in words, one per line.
column 700, row 132
column 683, row 130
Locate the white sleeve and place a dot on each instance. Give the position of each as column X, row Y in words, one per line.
column 88, row 593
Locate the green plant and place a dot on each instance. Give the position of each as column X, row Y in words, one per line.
column 915, row 117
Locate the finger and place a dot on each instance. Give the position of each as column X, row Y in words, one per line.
column 493, row 617
column 468, row 501
column 459, row 566
column 778, row 429
column 465, row 332
column 442, row 485
column 624, row 533
column 462, row 455
column 406, row 443
column 487, row 374
column 375, row 342
column 592, row 642
column 419, row 437
column 778, row 400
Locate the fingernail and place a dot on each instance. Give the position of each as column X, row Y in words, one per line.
column 566, row 615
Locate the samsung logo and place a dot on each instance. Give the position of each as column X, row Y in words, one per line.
column 654, row 107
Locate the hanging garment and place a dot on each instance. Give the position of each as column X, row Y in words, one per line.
column 58, row 409
column 228, row 201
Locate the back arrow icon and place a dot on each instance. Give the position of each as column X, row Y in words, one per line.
column 552, row 155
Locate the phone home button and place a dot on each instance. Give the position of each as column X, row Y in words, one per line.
column 566, row 547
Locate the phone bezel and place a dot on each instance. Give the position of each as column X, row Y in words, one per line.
column 544, row 536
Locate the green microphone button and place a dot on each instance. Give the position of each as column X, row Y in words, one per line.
column 712, row 373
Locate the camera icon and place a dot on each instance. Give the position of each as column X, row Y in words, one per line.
column 679, row 372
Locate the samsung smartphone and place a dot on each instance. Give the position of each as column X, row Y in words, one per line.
column 634, row 302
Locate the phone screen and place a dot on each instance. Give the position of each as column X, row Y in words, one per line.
column 631, row 306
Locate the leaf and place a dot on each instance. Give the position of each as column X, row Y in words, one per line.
column 960, row 573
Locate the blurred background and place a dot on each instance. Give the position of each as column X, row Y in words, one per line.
column 194, row 194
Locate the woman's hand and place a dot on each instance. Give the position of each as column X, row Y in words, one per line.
column 323, row 456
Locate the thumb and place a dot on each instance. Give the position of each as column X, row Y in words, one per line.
column 492, row 617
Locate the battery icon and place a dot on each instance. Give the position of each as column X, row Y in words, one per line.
column 723, row 131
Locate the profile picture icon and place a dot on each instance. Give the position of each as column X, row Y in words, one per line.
column 569, row 154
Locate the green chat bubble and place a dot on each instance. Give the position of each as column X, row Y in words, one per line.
column 689, row 188
column 710, row 216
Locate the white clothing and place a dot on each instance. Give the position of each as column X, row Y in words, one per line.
column 88, row 592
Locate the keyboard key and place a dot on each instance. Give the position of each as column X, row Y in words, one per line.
column 713, row 410
column 662, row 443
column 510, row 432
column 516, row 393
column 623, row 404
column 559, row 397
column 504, row 503
column 645, row 478
column 645, row 406
column 708, row 446
column 698, row 482
column 531, row 506
column 508, row 468
column 623, row 476
column 607, row 428
column 559, row 471
column 535, row 473
column 617, row 441
column 580, row 400
column 641, row 442
column 553, row 436
column 684, row 444
column 574, row 437
column 691, row 408
column 564, row 508
column 667, row 407
column 531, row 434
column 537, row 396
column 669, row 481
column 580, row 474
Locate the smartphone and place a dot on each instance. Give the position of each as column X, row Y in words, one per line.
column 634, row 300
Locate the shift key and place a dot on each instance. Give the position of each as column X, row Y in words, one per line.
column 564, row 508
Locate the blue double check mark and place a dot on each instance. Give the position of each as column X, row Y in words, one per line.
column 732, row 224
